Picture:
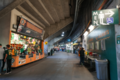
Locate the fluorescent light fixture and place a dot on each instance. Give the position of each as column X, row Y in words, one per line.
column 62, row 35
column 91, row 27
column 86, row 33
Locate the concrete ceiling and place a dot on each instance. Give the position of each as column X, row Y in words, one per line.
column 51, row 15
column 66, row 31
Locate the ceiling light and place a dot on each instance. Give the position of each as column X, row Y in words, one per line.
column 86, row 33
column 91, row 27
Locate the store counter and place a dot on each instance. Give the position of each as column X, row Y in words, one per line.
column 91, row 61
column 18, row 61
column 91, row 57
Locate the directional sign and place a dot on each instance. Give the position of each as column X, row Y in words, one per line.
column 105, row 17
column 110, row 20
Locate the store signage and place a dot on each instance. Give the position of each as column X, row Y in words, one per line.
column 24, row 30
column 22, row 62
column 101, row 35
column 46, row 42
column 13, row 60
column 14, row 26
column 105, row 17
column 37, row 57
column 28, row 29
column 118, row 39
column 23, row 22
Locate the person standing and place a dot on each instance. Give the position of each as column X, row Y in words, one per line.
column 82, row 56
column 1, row 57
column 79, row 49
column 8, row 57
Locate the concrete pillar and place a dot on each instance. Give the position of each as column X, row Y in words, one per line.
column 42, row 46
column 118, row 3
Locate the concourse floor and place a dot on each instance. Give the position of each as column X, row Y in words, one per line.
column 60, row 66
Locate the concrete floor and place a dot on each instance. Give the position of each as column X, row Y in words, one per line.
column 60, row 66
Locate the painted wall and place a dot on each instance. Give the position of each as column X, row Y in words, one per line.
column 51, row 42
column 46, row 49
column 117, row 30
column 5, row 29
column 97, row 37
column 84, row 42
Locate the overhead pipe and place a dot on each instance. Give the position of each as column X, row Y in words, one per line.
column 78, row 2
column 107, row 4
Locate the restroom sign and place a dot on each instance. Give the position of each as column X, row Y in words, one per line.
column 105, row 17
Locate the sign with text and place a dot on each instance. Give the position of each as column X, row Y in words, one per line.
column 118, row 39
column 26, row 31
column 105, row 17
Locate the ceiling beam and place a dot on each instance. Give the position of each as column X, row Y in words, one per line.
column 46, row 10
column 54, row 7
column 57, row 26
column 57, row 4
column 33, row 7
column 65, row 29
column 11, row 6
column 31, row 16
column 66, row 9
column 51, row 9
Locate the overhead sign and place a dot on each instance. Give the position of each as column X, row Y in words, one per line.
column 105, row 17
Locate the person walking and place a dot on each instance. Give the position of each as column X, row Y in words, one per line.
column 82, row 56
column 1, row 57
column 8, row 57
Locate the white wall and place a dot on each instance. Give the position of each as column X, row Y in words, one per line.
column 50, row 43
column 45, row 48
column 117, row 30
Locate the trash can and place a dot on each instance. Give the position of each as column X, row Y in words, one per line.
column 102, row 69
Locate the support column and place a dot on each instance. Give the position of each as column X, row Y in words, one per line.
column 118, row 3
column 5, row 29
column 42, row 47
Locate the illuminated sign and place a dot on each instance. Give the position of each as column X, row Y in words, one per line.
column 69, row 40
column 105, row 17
